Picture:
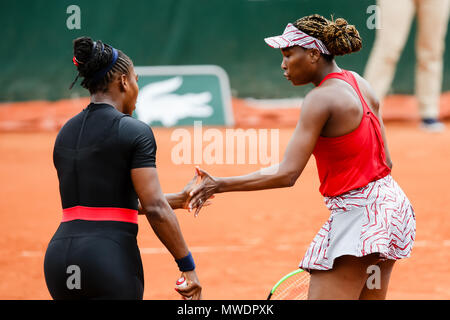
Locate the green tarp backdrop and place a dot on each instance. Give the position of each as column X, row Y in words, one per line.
column 36, row 43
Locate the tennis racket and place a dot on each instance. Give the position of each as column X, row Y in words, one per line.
column 293, row 286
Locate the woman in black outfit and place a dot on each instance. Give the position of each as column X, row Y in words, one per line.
column 105, row 162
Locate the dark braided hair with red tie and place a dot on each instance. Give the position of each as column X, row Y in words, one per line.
column 98, row 64
column 338, row 36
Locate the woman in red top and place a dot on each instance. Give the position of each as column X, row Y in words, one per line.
column 372, row 221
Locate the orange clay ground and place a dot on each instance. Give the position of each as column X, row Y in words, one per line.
column 244, row 242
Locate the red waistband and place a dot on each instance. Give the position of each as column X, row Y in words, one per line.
column 100, row 214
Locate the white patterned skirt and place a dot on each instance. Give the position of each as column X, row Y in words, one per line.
column 377, row 218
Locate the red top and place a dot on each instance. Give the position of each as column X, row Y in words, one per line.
column 353, row 160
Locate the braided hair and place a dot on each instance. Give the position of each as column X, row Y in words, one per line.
column 92, row 59
column 338, row 36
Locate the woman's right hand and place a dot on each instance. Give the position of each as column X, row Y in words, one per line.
column 203, row 191
column 193, row 289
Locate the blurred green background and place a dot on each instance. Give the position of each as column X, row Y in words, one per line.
column 36, row 51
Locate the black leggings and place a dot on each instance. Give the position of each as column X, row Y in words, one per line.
column 94, row 260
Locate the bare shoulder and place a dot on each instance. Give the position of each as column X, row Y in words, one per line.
column 330, row 98
column 361, row 81
column 367, row 91
column 321, row 98
column 318, row 106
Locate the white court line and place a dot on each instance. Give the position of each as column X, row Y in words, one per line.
column 163, row 250
column 31, row 254
column 431, row 243
column 421, row 244
column 237, row 248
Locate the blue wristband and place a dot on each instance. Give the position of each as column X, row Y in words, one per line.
column 186, row 263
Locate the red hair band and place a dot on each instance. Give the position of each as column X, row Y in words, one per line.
column 76, row 62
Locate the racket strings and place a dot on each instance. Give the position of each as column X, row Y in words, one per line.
column 293, row 288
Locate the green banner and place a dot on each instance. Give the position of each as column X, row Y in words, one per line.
column 37, row 40
column 179, row 95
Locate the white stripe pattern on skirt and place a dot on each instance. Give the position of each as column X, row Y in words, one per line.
column 377, row 218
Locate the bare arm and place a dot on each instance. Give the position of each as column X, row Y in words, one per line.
column 315, row 113
column 162, row 219
column 175, row 201
column 295, row 158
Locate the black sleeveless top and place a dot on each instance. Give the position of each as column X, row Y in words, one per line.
column 94, row 153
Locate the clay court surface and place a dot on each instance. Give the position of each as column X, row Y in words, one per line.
column 244, row 242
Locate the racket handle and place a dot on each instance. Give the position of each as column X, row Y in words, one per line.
column 181, row 284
